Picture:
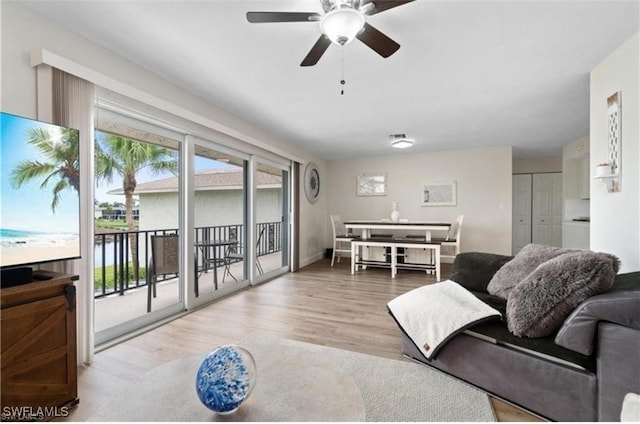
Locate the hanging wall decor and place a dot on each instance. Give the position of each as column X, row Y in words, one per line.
column 439, row 194
column 371, row 184
column 614, row 141
column 312, row 182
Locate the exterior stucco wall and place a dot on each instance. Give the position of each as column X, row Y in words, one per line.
column 213, row 208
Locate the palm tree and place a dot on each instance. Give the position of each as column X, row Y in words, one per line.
column 61, row 150
column 126, row 157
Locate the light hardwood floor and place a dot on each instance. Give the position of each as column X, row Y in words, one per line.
column 319, row 304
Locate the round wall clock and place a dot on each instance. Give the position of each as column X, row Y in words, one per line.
column 311, row 182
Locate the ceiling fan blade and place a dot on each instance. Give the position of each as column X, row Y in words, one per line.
column 377, row 41
column 265, row 17
column 316, row 51
column 372, row 7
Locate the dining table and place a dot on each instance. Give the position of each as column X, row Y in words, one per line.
column 395, row 241
column 367, row 226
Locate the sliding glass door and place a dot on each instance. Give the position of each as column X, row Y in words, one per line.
column 271, row 212
column 137, row 201
column 181, row 218
column 219, row 206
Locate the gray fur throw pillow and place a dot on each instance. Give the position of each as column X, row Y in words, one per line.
column 539, row 305
column 514, row 271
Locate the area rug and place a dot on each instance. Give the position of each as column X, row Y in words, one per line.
column 304, row 382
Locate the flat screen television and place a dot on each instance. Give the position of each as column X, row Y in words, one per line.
column 40, row 199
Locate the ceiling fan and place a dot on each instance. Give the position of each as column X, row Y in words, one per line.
column 342, row 21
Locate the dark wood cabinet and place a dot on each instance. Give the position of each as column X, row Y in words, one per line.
column 38, row 360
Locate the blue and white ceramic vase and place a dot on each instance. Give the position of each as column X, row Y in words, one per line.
column 226, row 378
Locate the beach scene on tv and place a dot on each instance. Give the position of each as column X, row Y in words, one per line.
column 40, row 209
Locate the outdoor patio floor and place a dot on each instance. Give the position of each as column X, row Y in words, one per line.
column 116, row 309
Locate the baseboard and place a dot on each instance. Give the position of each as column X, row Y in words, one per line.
column 311, row 259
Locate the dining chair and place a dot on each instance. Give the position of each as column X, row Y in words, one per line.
column 165, row 260
column 234, row 254
column 258, row 242
column 341, row 239
column 452, row 238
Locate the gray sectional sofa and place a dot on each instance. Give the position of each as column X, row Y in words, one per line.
column 579, row 373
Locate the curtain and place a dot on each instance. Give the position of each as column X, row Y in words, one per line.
column 66, row 100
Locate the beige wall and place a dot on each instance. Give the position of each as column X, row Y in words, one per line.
column 23, row 32
column 615, row 226
column 315, row 218
column 576, row 181
column 483, row 178
column 537, row 165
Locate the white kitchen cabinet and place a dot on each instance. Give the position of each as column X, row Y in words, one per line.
column 575, row 235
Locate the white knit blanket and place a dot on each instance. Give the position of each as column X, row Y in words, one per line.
column 431, row 315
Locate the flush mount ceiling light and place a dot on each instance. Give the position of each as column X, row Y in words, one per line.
column 400, row 141
column 341, row 25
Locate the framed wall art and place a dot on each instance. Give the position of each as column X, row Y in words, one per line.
column 371, row 184
column 439, row 194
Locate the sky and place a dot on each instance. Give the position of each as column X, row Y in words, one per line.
column 29, row 207
column 102, row 189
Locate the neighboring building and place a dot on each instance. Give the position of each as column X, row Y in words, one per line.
column 218, row 199
column 115, row 213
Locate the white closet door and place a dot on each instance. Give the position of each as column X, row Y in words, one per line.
column 547, row 209
column 521, row 234
column 556, row 232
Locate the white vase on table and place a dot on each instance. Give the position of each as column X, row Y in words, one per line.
column 395, row 211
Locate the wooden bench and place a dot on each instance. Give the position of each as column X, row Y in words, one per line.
column 392, row 245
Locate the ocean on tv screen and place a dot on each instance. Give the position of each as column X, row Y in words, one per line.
column 40, row 204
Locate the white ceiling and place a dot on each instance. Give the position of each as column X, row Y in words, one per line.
column 469, row 73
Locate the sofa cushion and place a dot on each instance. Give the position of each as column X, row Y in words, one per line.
column 543, row 346
column 473, row 270
column 538, row 305
column 514, row 271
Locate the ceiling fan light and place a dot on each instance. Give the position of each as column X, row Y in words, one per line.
column 342, row 25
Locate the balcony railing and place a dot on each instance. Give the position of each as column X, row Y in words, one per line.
column 115, row 253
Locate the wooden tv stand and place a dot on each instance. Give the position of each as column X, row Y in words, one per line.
column 39, row 379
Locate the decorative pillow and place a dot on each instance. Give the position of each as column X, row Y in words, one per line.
column 539, row 305
column 514, row 271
